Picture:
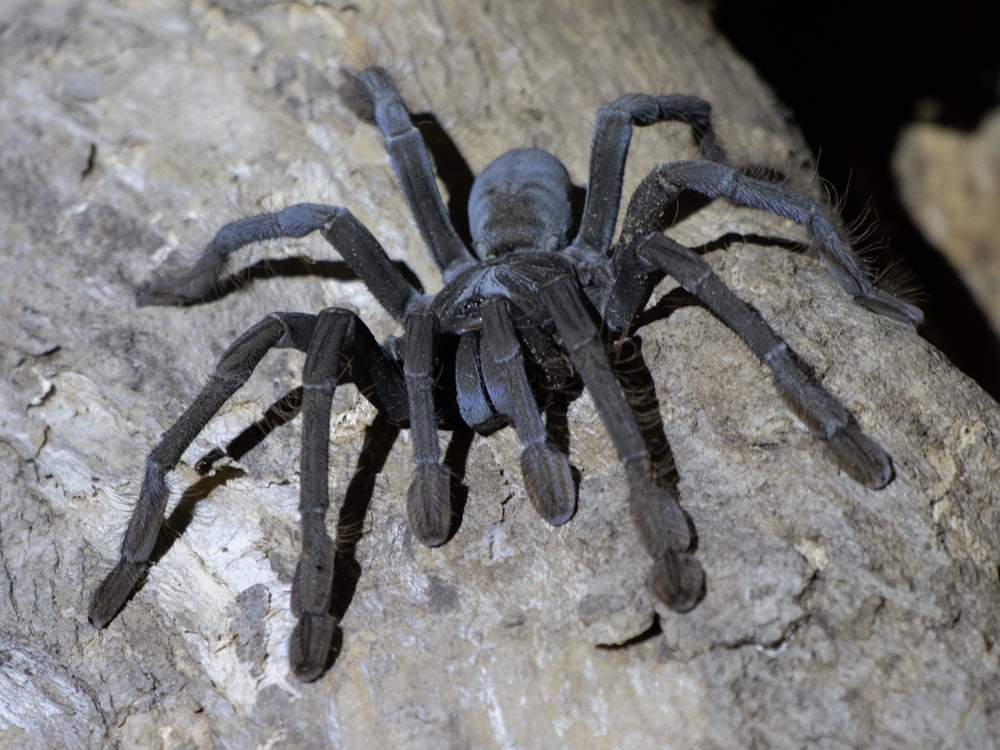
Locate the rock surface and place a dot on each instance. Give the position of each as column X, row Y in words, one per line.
column 835, row 616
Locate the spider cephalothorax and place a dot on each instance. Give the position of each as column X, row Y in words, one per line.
column 526, row 299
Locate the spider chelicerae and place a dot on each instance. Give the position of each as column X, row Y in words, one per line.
column 527, row 311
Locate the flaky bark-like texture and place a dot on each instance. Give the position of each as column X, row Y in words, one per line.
column 835, row 616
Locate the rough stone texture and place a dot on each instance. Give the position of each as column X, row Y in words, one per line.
column 949, row 181
column 835, row 616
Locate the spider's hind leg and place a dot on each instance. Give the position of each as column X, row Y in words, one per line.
column 348, row 236
column 378, row 96
column 714, row 180
column 340, row 345
column 613, row 128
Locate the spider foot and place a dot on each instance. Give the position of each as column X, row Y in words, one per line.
column 428, row 504
column 314, row 645
column 549, row 481
column 656, row 513
column 181, row 288
column 114, row 590
column 861, row 457
column 678, row 580
column 313, row 579
column 884, row 303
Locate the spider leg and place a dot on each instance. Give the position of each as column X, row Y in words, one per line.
column 856, row 453
column 414, row 170
column 358, row 247
column 609, row 150
column 677, row 577
column 715, row 180
column 545, row 468
column 428, row 500
column 340, row 338
column 231, row 372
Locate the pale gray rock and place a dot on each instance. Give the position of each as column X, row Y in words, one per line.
column 949, row 182
column 835, row 616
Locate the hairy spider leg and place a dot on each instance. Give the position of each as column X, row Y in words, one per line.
column 856, row 453
column 546, row 471
column 609, row 151
column 415, row 173
column 715, row 180
column 428, row 500
column 677, row 578
column 231, row 372
column 349, row 237
column 341, row 345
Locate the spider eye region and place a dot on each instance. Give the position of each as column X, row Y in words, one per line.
column 521, row 201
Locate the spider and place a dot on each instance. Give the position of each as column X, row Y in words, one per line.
column 528, row 310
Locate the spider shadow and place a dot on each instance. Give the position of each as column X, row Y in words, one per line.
column 174, row 526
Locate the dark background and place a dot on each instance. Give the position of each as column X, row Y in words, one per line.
column 854, row 74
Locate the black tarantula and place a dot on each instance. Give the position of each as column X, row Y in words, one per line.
column 526, row 311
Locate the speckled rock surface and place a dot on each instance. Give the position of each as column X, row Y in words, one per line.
column 835, row 616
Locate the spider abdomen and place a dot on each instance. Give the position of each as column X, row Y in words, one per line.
column 521, row 201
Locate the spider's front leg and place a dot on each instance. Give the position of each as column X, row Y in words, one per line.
column 856, row 453
column 677, row 577
column 428, row 500
column 340, row 346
